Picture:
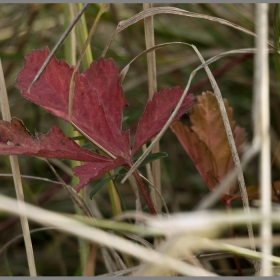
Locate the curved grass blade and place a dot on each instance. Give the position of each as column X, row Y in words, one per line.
column 175, row 11
column 157, row 138
column 148, row 50
column 60, row 41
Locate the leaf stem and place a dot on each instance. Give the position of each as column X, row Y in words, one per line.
column 144, row 192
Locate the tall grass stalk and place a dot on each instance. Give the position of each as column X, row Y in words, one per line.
column 5, row 108
column 155, row 177
column 261, row 90
column 82, row 35
column 70, row 56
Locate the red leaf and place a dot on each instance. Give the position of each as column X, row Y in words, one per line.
column 98, row 105
column 54, row 144
column 104, row 78
column 93, row 102
column 157, row 112
column 92, row 171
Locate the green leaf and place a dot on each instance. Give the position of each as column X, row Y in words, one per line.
column 122, row 171
column 99, row 186
column 78, row 137
column 152, row 157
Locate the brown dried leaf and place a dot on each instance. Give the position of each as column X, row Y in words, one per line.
column 208, row 125
column 207, row 143
column 254, row 192
column 198, row 152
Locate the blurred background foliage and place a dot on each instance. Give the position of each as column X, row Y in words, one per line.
column 25, row 27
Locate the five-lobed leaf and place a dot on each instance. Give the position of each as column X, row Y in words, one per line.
column 97, row 113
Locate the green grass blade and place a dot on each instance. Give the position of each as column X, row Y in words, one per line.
column 100, row 185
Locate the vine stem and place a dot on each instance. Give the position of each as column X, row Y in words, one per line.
column 144, row 192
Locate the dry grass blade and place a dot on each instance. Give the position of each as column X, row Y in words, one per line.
column 33, row 178
column 209, row 61
column 148, row 50
column 262, row 125
column 99, row 236
column 76, row 197
column 122, row 272
column 235, row 157
column 175, row 11
column 60, row 41
column 154, row 175
column 17, row 179
column 61, row 165
column 189, row 61
column 208, row 244
column 158, row 193
column 203, row 222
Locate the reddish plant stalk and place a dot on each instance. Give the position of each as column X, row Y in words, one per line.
column 144, row 192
